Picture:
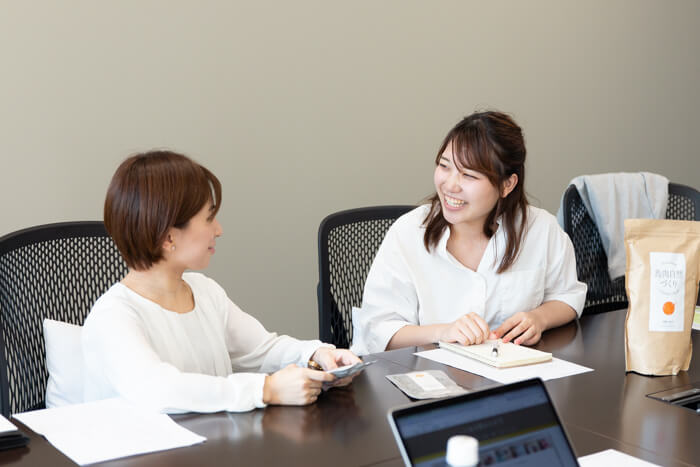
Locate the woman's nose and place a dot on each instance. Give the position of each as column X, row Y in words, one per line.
column 219, row 230
column 453, row 182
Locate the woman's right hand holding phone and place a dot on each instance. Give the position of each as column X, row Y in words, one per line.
column 466, row 330
column 294, row 385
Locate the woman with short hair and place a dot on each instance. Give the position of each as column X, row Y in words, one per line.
column 173, row 340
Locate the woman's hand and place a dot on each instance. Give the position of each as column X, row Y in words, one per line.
column 468, row 329
column 330, row 358
column 293, row 385
column 522, row 328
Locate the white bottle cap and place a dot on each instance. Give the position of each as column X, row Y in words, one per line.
column 462, row 451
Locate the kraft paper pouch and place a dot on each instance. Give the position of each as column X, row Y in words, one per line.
column 663, row 267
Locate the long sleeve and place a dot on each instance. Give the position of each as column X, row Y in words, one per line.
column 409, row 284
column 252, row 348
column 561, row 281
column 211, row 359
column 389, row 301
column 120, row 356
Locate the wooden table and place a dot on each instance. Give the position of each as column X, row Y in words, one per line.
column 606, row 408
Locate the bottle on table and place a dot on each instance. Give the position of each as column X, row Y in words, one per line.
column 462, row 451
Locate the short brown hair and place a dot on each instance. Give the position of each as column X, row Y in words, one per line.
column 490, row 143
column 150, row 193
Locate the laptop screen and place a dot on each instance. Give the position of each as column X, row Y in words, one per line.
column 515, row 424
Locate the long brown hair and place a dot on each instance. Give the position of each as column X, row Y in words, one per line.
column 490, row 143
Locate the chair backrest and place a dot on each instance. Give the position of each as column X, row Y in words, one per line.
column 52, row 271
column 591, row 261
column 347, row 243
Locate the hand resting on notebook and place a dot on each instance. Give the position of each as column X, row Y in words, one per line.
column 521, row 328
column 467, row 329
column 527, row 327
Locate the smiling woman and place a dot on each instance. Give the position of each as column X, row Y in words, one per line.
column 477, row 262
column 173, row 340
column 482, row 160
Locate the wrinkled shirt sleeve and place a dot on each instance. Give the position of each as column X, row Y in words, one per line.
column 389, row 301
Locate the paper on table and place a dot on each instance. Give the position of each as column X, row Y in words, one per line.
column 612, row 457
column 6, row 425
column 108, row 429
column 557, row 368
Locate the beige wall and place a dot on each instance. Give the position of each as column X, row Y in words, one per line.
column 307, row 107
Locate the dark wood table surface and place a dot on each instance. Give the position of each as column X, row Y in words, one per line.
column 603, row 409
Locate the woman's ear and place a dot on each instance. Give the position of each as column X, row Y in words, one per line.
column 508, row 185
column 169, row 243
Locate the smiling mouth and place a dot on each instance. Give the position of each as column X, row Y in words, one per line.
column 454, row 202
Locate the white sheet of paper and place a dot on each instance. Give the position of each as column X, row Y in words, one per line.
column 108, row 429
column 6, row 425
column 425, row 381
column 612, row 457
column 557, row 368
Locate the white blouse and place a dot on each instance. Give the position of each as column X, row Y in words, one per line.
column 409, row 285
column 210, row 359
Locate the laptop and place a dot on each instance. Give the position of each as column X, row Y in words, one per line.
column 515, row 424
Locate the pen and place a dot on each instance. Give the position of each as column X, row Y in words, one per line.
column 495, row 347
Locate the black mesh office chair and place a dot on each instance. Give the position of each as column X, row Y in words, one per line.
column 52, row 271
column 592, row 263
column 347, row 243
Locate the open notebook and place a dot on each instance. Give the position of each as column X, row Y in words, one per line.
column 509, row 354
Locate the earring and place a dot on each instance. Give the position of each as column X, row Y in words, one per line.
column 172, row 248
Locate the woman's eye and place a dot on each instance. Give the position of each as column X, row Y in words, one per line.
column 443, row 165
column 466, row 175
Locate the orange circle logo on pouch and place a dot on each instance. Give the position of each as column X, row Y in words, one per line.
column 669, row 308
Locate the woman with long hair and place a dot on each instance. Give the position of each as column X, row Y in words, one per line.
column 477, row 261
